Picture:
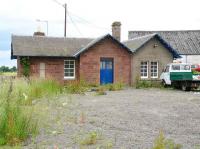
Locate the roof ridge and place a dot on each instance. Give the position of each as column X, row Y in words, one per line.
column 51, row 37
column 196, row 30
column 140, row 37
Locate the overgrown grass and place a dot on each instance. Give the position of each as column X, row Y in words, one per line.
column 162, row 143
column 8, row 73
column 148, row 84
column 16, row 121
column 90, row 138
column 115, row 86
column 28, row 90
column 76, row 87
column 101, row 90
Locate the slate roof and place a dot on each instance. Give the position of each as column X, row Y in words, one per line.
column 135, row 43
column 138, row 42
column 47, row 46
column 98, row 40
column 186, row 42
column 54, row 46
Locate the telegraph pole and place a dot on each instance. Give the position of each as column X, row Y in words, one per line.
column 65, row 6
column 65, row 23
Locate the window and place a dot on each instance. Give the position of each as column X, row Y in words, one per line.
column 185, row 67
column 144, row 70
column 167, row 69
column 69, row 69
column 175, row 67
column 154, row 69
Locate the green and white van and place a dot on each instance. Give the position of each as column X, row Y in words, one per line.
column 180, row 75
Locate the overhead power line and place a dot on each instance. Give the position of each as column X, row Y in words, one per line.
column 72, row 16
column 58, row 3
column 65, row 22
column 87, row 22
column 76, row 27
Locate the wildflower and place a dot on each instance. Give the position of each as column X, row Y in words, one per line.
column 64, row 104
column 25, row 96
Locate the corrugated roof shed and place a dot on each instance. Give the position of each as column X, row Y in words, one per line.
column 186, row 42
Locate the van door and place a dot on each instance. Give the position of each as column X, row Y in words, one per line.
column 165, row 77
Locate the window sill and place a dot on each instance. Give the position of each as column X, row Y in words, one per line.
column 154, row 77
column 66, row 78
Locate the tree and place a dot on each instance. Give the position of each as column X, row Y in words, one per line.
column 7, row 69
column 13, row 69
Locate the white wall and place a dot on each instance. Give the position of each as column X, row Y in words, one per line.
column 194, row 59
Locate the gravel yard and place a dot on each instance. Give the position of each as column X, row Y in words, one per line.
column 127, row 119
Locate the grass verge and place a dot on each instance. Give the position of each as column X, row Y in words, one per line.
column 16, row 122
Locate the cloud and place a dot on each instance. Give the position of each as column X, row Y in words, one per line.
column 4, row 54
column 5, row 59
column 19, row 17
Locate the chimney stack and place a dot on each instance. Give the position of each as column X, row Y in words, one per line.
column 39, row 32
column 116, row 30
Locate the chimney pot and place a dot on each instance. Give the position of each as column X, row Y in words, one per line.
column 39, row 32
column 116, row 30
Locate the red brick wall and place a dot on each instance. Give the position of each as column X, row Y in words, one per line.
column 54, row 68
column 87, row 66
column 90, row 62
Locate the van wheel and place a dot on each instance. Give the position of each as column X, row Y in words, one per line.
column 185, row 88
column 164, row 83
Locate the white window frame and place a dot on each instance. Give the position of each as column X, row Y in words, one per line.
column 144, row 77
column 154, row 77
column 70, row 77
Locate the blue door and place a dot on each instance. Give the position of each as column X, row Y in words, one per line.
column 106, row 71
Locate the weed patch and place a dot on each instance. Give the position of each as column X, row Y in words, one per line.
column 28, row 90
column 101, row 90
column 90, row 138
column 76, row 87
column 162, row 143
column 148, row 84
column 115, row 86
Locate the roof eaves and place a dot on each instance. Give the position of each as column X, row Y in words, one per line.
column 151, row 37
column 168, row 46
column 89, row 45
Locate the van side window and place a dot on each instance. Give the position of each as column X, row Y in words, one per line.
column 167, row 69
column 185, row 67
column 175, row 67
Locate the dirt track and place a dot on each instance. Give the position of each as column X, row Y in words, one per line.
column 129, row 119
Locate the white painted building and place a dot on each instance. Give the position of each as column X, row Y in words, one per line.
column 186, row 42
column 193, row 59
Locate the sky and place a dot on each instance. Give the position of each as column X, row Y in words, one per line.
column 92, row 18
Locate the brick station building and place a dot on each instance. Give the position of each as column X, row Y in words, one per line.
column 97, row 61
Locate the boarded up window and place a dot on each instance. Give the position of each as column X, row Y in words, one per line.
column 42, row 70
